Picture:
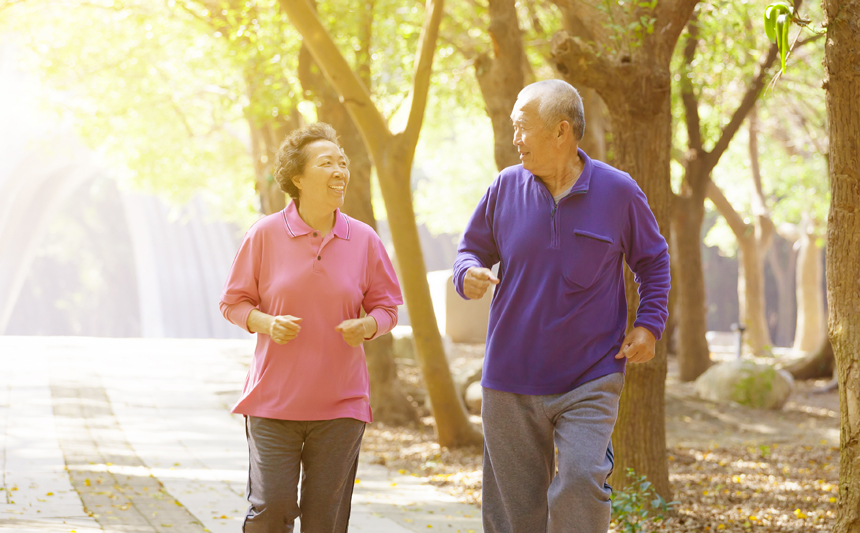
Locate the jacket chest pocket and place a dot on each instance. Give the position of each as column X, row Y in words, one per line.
column 585, row 253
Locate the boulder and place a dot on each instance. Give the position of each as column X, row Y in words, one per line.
column 474, row 396
column 470, row 373
column 747, row 383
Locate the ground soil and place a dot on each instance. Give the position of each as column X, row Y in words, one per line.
column 732, row 468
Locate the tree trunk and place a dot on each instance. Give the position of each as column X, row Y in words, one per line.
column 501, row 77
column 392, row 155
column 841, row 57
column 751, row 293
column 593, row 142
column 783, row 264
column 452, row 426
column 642, row 142
column 816, row 365
column 694, row 355
column 265, row 140
column 810, row 301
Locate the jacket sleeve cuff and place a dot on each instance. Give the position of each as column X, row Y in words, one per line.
column 657, row 332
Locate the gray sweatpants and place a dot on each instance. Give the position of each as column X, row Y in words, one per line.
column 522, row 493
column 326, row 453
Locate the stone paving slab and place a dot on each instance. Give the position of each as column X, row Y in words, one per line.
column 133, row 435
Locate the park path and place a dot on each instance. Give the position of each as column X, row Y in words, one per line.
column 135, row 435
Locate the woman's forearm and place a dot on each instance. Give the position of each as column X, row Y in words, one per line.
column 260, row 322
column 370, row 326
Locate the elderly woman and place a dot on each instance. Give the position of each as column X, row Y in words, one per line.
column 300, row 280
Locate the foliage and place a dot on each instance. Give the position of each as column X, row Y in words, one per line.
column 154, row 96
column 638, row 506
column 754, row 389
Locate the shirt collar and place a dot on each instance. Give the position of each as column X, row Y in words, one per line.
column 297, row 227
column 584, row 180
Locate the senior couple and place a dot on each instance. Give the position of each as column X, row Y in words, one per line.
column 560, row 226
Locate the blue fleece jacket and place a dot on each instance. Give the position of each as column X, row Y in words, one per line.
column 559, row 312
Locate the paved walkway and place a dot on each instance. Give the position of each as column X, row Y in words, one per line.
column 130, row 435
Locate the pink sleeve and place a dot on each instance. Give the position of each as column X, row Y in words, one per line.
column 383, row 293
column 240, row 294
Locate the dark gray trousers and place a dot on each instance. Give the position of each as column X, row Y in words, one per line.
column 522, row 492
column 326, row 454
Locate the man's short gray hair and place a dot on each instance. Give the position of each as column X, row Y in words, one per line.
column 557, row 101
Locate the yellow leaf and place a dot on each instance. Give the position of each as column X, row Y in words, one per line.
column 721, row 526
column 832, row 499
column 401, row 471
column 800, row 514
column 357, row 481
column 49, row 494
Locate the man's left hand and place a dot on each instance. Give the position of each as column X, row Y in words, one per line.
column 638, row 346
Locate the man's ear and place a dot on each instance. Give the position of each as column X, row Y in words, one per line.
column 563, row 129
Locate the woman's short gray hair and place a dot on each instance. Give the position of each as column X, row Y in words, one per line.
column 557, row 101
column 292, row 156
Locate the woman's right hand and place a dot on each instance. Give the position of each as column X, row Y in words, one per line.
column 284, row 328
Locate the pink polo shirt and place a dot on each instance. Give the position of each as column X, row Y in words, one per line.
column 284, row 267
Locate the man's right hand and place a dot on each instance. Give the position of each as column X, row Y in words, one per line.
column 477, row 281
column 284, row 328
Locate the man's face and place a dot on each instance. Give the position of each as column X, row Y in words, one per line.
column 534, row 141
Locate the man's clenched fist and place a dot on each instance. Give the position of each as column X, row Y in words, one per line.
column 477, row 281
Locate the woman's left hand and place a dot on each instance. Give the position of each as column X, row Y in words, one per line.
column 356, row 330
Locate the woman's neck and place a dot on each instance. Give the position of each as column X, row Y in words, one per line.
column 320, row 219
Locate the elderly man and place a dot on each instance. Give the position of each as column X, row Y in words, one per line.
column 560, row 226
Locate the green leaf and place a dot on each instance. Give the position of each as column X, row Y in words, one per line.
column 782, row 24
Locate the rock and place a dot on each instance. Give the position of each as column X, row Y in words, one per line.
column 474, row 396
column 470, row 373
column 404, row 344
column 747, row 383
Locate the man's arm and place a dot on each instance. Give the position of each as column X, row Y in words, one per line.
column 477, row 250
column 647, row 254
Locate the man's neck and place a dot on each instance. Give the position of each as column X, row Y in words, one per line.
column 566, row 176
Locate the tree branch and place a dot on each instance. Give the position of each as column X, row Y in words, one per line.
column 746, row 105
column 734, row 220
column 353, row 94
column 423, row 70
column 671, row 17
column 688, row 95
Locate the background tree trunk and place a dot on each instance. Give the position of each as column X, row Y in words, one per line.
column 501, row 77
column 842, row 82
column 782, row 259
column 693, row 352
column 816, row 365
column 811, row 322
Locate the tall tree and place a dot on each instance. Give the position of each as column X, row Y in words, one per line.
column 842, row 83
column 688, row 208
column 623, row 51
column 387, row 397
column 392, row 154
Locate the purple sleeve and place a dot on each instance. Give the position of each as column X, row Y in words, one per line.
column 647, row 254
column 383, row 292
column 478, row 245
column 240, row 294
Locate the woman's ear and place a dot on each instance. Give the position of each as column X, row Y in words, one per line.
column 297, row 181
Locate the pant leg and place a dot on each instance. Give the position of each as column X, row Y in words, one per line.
column 518, row 463
column 329, row 462
column 579, row 497
column 275, row 449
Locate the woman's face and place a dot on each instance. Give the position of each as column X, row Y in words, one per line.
column 324, row 180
